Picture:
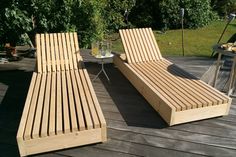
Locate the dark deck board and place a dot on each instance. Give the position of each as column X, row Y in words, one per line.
column 134, row 127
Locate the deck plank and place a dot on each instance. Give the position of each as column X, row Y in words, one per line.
column 134, row 128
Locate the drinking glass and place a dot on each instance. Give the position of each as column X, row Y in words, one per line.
column 108, row 48
column 103, row 48
column 95, row 48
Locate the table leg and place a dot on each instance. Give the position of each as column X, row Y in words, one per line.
column 217, row 70
column 232, row 78
column 97, row 75
column 102, row 70
column 105, row 72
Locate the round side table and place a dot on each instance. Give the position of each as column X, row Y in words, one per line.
column 102, row 58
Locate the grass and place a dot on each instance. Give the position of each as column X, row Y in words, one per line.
column 197, row 42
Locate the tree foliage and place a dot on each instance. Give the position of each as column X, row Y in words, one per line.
column 92, row 19
column 224, row 7
column 114, row 13
column 13, row 22
column 166, row 13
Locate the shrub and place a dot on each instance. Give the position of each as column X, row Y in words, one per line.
column 14, row 23
column 143, row 13
column 87, row 18
column 224, row 7
column 114, row 13
column 198, row 13
column 165, row 14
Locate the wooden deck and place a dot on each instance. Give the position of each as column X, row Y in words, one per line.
column 134, row 128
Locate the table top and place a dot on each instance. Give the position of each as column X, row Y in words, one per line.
column 218, row 49
column 104, row 57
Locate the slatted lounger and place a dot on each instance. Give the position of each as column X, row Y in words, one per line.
column 61, row 108
column 175, row 94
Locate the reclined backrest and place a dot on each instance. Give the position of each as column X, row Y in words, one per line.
column 57, row 52
column 140, row 45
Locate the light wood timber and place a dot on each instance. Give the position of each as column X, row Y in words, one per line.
column 61, row 108
column 175, row 94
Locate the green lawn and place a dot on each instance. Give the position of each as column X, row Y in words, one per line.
column 197, row 42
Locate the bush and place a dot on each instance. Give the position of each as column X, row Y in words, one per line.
column 165, row 14
column 143, row 13
column 169, row 14
column 198, row 13
column 85, row 17
column 88, row 21
column 114, row 13
column 14, row 23
column 224, row 7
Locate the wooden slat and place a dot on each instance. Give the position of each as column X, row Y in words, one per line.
column 65, row 52
column 47, row 103
column 186, row 85
column 146, row 88
column 48, row 53
column 138, row 48
column 149, row 46
column 173, row 85
column 216, row 94
column 53, row 106
column 59, row 114
column 27, row 106
column 126, row 45
column 57, row 54
column 140, row 45
column 39, row 53
column 153, row 85
column 140, row 42
column 44, row 64
column 65, row 106
column 71, row 65
column 131, row 41
column 143, row 40
column 95, row 100
column 61, row 55
column 89, row 100
column 196, row 90
column 78, row 105
column 73, row 49
column 157, row 50
column 52, row 52
column 73, row 119
column 79, row 58
column 87, row 116
column 39, row 108
column 165, row 87
column 30, row 118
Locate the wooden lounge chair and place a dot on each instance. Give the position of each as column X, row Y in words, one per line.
column 175, row 94
column 61, row 108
